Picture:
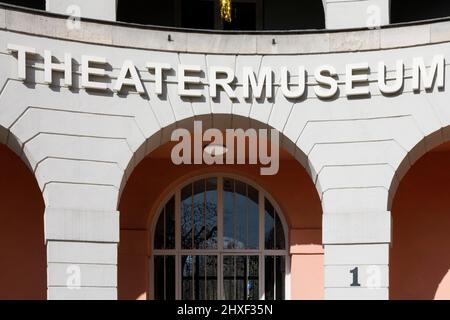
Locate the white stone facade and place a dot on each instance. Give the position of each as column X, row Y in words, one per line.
column 82, row 146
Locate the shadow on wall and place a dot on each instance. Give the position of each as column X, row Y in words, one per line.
column 420, row 255
column 23, row 263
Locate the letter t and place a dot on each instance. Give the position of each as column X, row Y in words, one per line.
column 22, row 58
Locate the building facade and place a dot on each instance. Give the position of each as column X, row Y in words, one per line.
column 94, row 207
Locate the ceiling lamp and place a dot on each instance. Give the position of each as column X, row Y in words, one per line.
column 225, row 10
column 215, row 150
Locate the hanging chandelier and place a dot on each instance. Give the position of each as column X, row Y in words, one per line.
column 225, row 10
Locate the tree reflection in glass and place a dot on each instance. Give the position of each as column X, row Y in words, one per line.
column 240, row 215
column 199, row 215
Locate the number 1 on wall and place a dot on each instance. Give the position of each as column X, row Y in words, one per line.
column 355, row 282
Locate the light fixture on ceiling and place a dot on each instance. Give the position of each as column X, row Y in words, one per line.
column 215, row 150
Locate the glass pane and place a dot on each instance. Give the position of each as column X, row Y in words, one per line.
column 253, row 278
column 211, row 214
column 211, row 278
column 279, row 233
column 186, row 217
column 170, row 277
column 199, row 216
column 187, row 275
column 159, row 232
column 243, row 17
column 241, row 278
column 159, row 277
column 269, row 225
column 269, row 278
column 241, row 224
column 199, row 277
column 241, row 215
column 253, row 218
column 228, row 216
column 197, row 14
column 170, row 224
column 228, row 278
column 280, row 276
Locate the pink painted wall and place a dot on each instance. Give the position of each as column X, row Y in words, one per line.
column 156, row 177
column 23, row 263
column 420, row 255
column 307, row 270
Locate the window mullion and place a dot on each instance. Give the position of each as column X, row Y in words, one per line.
column 262, row 280
column 178, row 277
column 205, row 276
column 247, row 272
column 234, row 277
column 164, row 275
column 220, row 294
column 274, row 277
column 234, row 214
column 220, row 214
column 204, row 216
column 261, row 245
column 194, row 266
column 192, row 219
column 247, row 205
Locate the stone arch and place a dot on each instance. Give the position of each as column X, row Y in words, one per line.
column 9, row 139
column 219, row 121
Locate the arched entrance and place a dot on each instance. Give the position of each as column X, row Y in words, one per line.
column 219, row 237
column 419, row 256
column 23, row 264
column 149, row 191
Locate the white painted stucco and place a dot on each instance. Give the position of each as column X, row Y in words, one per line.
column 82, row 146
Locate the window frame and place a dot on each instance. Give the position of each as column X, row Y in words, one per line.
column 178, row 252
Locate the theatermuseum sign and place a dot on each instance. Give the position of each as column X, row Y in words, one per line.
column 191, row 79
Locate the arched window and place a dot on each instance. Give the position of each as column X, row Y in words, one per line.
column 219, row 238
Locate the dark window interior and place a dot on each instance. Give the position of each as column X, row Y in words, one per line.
column 402, row 11
column 246, row 14
column 34, row 4
column 243, row 15
column 293, row 15
column 205, row 14
column 197, row 14
column 161, row 13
